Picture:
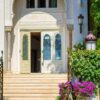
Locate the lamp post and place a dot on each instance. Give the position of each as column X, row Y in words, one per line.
column 90, row 41
column 80, row 21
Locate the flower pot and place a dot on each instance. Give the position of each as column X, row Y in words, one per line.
column 82, row 98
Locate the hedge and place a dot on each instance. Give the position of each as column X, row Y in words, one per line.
column 85, row 65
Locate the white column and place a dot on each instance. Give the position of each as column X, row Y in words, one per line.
column 9, row 51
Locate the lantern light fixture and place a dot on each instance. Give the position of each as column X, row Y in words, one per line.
column 90, row 40
column 80, row 21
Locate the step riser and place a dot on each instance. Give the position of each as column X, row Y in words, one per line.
column 32, row 81
column 32, row 87
column 30, row 91
column 31, row 98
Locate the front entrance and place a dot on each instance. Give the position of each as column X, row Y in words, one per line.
column 41, row 52
column 35, row 52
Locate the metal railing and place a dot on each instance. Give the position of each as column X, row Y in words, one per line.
column 1, row 76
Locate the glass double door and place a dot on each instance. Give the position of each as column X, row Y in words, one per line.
column 49, row 56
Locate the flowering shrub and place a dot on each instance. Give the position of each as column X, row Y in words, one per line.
column 65, row 89
column 83, row 88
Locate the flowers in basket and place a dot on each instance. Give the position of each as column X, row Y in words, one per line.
column 83, row 88
column 79, row 89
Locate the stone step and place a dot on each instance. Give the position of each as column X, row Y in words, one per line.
column 31, row 98
column 31, row 95
column 33, row 81
column 35, row 78
column 5, row 79
column 35, row 75
column 28, row 88
column 30, row 91
column 29, row 85
column 32, row 86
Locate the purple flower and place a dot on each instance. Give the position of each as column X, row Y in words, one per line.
column 65, row 89
column 84, row 88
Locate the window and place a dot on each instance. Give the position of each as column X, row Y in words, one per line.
column 47, row 47
column 41, row 3
column 58, row 47
column 52, row 3
column 30, row 3
column 25, row 47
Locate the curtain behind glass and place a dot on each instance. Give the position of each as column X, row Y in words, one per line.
column 53, row 3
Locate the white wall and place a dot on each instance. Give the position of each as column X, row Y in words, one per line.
column 45, row 19
column 1, row 25
column 37, row 20
column 77, row 37
column 73, row 10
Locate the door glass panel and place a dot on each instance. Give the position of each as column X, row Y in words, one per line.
column 47, row 47
column 25, row 47
column 58, row 47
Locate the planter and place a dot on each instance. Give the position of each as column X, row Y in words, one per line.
column 93, row 97
column 82, row 98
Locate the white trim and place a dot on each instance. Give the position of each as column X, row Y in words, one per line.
column 19, row 51
column 47, row 3
column 36, row 3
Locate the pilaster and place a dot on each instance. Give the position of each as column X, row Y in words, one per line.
column 8, row 31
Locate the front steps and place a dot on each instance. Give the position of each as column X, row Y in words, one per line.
column 32, row 86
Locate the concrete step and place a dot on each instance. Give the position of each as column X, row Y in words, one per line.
column 31, row 95
column 30, row 98
column 28, row 88
column 32, row 86
column 33, row 81
column 30, row 91
column 29, row 85
column 35, row 74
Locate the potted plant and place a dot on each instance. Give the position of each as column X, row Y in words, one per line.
column 83, row 90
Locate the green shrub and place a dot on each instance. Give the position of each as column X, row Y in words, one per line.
column 98, row 44
column 95, row 13
column 79, row 46
column 86, row 65
column 58, row 98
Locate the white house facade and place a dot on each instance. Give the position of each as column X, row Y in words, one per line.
column 34, row 34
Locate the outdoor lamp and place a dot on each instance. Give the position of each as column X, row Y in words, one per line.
column 80, row 21
column 90, row 40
